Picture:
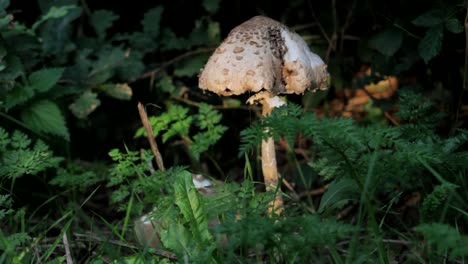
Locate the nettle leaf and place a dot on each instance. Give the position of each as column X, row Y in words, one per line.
column 431, row 18
column 387, row 42
column 453, row 25
column 211, row 5
column 85, row 104
column 45, row 116
column 54, row 12
column 119, row 91
column 431, row 44
column 102, row 20
column 18, row 95
column 104, row 68
column 151, row 21
column 192, row 206
column 43, row 80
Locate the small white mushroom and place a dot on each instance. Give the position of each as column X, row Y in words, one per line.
column 263, row 56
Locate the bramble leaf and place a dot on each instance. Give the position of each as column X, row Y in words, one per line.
column 431, row 44
column 387, row 42
column 102, row 20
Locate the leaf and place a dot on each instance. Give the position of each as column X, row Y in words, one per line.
column 45, row 116
column 339, row 192
column 3, row 5
column 191, row 66
column 43, row 80
column 445, row 238
column 102, row 20
column 54, row 12
column 176, row 238
column 431, row 44
column 211, row 5
column 151, row 21
column 387, row 42
column 192, row 206
column 453, row 25
column 119, row 91
column 85, row 104
column 431, row 18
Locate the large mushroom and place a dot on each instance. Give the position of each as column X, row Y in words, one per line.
column 263, row 56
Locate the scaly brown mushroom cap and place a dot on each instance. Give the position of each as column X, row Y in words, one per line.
column 263, row 54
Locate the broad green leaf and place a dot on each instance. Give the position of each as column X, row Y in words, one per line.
column 151, row 21
column 119, row 91
column 54, row 12
column 431, row 44
column 192, row 206
column 85, row 104
column 3, row 5
column 191, row 66
column 18, row 95
column 102, row 20
column 453, row 25
column 387, row 42
column 104, row 68
column 431, row 18
column 43, row 80
column 211, row 5
column 45, row 116
column 177, row 238
column 338, row 194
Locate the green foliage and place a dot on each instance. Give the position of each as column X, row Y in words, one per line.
column 444, row 240
column 435, row 202
column 10, row 241
column 20, row 157
column 177, row 122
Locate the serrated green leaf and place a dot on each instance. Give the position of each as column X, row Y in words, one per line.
column 211, row 5
column 387, row 42
column 431, row 18
column 119, row 91
column 3, row 6
column 104, row 68
column 151, row 21
column 45, row 116
column 191, row 66
column 431, row 44
column 192, row 206
column 54, row 12
column 102, row 20
column 43, row 80
column 85, row 104
column 453, row 25
column 338, row 194
column 18, row 95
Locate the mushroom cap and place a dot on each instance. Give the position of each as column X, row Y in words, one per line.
column 263, row 54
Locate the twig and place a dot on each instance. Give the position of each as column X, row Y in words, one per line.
column 150, row 135
column 67, row 249
column 315, row 192
column 391, row 119
column 166, row 64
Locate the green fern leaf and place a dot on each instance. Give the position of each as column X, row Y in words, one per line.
column 45, row 116
column 192, row 206
column 43, row 80
column 445, row 239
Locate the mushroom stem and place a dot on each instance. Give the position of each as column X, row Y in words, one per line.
column 269, row 168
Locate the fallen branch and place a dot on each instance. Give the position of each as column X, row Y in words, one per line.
column 150, row 135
